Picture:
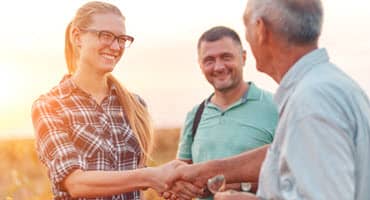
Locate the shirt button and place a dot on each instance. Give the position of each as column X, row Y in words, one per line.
column 286, row 185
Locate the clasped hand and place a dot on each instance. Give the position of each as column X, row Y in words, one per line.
column 176, row 180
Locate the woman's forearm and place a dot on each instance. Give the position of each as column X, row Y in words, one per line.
column 106, row 183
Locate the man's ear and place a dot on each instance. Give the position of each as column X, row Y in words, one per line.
column 199, row 59
column 261, row 31
column 244, row 56
column 200, row 64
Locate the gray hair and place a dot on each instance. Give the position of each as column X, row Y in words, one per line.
column 296, row 21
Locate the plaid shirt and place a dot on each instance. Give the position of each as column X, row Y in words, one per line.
column 74, row 132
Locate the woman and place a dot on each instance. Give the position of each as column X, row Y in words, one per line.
column 92, row 134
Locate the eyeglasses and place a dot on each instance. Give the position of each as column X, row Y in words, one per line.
column 107, row 38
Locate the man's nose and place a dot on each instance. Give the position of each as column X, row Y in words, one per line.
column 219, row 65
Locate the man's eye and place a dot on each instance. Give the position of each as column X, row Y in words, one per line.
column 208, row 62
column 227, row 57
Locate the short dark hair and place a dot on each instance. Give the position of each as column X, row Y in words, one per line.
column 217, row 33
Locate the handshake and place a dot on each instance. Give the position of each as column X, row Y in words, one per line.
column 177, row 180
column 181, row 181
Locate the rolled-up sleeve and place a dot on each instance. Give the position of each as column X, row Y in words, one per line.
column 54, row 146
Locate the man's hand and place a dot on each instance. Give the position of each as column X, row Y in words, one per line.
column 233, row 195
column 161, row 174
column 198, row 174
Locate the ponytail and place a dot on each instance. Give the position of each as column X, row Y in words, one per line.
column 137, row 116
column 69, row 51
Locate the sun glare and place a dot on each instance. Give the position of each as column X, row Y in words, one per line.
column 10, row 86
column 12, row 99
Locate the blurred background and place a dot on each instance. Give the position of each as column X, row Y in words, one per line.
column 161, row 66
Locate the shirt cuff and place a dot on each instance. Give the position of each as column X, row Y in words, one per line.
column 60, row 169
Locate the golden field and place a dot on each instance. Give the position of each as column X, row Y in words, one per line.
column 22, row 177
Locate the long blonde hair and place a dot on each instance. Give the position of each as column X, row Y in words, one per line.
column 136, row 114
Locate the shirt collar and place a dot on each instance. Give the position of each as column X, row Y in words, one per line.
column 67, row 86
column 252, row 93
column 298, row 71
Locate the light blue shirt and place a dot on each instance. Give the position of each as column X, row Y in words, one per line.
column 321, row 148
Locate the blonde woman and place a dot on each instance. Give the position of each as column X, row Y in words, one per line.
column 92, row 134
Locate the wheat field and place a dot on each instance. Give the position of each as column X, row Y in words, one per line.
column 22, row 177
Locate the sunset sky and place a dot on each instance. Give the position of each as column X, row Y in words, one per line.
column 161, row 65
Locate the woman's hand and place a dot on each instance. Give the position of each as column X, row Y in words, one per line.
column 160, row 174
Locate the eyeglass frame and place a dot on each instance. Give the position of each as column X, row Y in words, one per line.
column 127, row 38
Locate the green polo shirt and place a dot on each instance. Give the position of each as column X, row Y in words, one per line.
column 248, row 123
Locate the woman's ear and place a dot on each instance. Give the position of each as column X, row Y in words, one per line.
column 76, row 37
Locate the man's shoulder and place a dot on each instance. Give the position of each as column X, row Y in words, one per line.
column 259, row 94
column 327, row 81
column 327, row 90
column 194, row 109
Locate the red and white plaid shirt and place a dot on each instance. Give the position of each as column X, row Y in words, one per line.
column 74, row 132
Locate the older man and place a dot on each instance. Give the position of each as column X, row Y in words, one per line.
column 321, row 148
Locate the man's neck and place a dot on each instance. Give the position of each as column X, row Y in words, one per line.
column 287, row 57
column 224, row 99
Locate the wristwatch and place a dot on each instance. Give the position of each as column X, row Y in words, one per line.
column 245, row 186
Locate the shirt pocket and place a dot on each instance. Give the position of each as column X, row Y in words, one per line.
column 127, row 148
column 87, row 140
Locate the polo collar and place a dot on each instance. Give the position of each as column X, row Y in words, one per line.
column 253, row 93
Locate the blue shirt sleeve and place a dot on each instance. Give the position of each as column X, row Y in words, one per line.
column 186, row 139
